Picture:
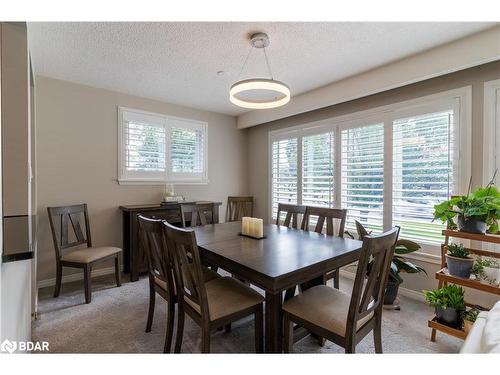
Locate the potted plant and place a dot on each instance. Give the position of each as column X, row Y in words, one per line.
column 470, row 317
column 475, row 212
column 448, row 303
column 399, row 263
column 487, row 269
column 459, row 261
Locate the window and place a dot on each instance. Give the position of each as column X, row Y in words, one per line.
column 284, row 173
column 388, row 166
column 363, row 175
column 491, row 151
column 154, row 148
column 423, row 159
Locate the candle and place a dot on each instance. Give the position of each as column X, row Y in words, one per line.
column 245, row 225
column 259, row 228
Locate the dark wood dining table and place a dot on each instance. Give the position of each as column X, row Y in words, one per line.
column 285, row 258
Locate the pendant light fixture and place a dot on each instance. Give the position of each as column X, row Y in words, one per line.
column 259, row 93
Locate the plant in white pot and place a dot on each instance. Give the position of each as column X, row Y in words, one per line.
column 487, row 270
column 459, row 261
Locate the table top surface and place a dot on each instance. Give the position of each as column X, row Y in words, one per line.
column 282, row 252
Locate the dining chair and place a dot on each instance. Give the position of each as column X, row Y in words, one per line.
column 292, row 212
column 198, row 214
column 160, row 272
column 237, row 207
column 327, row 215
column 61, row 219
column 211, row 304
column 342, row 318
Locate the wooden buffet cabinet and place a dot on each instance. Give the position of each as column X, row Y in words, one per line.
column 134, row 261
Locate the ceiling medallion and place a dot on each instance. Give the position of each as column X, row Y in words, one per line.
column 259, row 93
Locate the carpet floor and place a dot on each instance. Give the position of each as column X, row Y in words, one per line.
column 115, row 320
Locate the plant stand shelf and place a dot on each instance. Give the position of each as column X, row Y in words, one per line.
column 445, row 278
column 458, row 333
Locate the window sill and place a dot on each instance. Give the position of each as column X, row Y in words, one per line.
column 161, row 183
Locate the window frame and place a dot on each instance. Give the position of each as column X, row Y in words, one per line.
column 461, row 101
column 160, row 178
column 491, row 129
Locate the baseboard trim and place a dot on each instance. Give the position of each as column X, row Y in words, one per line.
column 76, row 276
column 410, row 293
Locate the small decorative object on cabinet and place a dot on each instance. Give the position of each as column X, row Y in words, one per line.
column 444, row 277
column 459, row 261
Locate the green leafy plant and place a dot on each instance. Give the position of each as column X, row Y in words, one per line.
column 471, row 314
column 449, row 296
column 480, row 263
column 399, row 263
column 482, row 204
column 458, row 251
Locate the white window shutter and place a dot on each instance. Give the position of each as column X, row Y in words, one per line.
column 284, row 173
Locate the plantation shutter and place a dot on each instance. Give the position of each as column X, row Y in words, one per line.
column 317, row 170
column 423, row 160
column 362, row 175
column 284, row 173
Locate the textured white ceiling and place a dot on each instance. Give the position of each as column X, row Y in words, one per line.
column 177, row 62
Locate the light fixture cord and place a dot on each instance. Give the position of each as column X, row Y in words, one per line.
column 245, row 63
column 267, row 63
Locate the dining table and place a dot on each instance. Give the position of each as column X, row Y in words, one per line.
column 284, row 258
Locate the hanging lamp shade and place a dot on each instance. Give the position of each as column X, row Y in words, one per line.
column 259, row 93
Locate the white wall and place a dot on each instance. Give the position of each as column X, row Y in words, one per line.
column 77, row 160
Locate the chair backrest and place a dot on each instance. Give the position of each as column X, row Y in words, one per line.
column 199, row 213
column 371, row 275
column 152, row 239
column 187, row 266
column 292, row 211
column 237, row 207
column 60, row 219
column 327, row 215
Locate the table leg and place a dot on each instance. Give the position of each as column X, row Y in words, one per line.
column 274, row 323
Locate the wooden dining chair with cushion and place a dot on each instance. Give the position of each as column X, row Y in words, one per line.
column 198, row 214
column 291, row 212
column 326, row 216
column 342, row 318
column 61, row 219
column 160, row 272
column 237, row 207
column 211, row 304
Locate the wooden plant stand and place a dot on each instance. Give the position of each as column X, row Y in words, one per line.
column 445, row 278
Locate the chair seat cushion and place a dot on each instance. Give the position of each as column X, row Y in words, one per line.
column 325, row 307
column 90, row 254
column 227, row 296
column 208, row 275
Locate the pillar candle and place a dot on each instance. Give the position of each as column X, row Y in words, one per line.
column 259, row 228
column 245, row 225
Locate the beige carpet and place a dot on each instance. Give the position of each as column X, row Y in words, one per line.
column 114, row 323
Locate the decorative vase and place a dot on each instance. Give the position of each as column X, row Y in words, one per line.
column 450, row 317
column 391, row 292
column 460, row 267
column 471, row 225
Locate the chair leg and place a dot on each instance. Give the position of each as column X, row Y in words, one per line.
column 290, row 292
column 180, row 328
column 287, row 333
column 117, row 271
column 336, row 279
column 151, row 311
column 377, row 334
column 170, row 327
column 350, row 346
column 205, row 338
column 57, row 289
column 87, row 283
column 259, row 327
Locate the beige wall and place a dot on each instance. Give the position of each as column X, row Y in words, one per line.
column 257, row 137
column 77, row 159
